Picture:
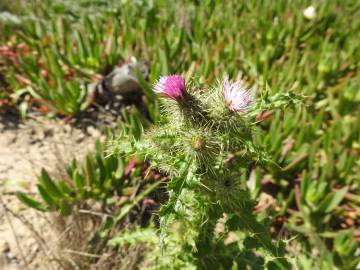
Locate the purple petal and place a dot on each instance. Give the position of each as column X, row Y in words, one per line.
column 172, row 86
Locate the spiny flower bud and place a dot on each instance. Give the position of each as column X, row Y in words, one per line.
column 197, row 143
column 172, row 86
column 237, row 98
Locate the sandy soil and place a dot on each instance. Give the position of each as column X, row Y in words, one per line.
column 25, row 148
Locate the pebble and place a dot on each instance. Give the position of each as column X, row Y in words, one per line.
column 4, row 247
column 93, row 132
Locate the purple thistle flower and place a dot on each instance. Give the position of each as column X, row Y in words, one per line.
column 172, row 86
column 237, row 97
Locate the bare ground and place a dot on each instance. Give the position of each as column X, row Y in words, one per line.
column 27, row 237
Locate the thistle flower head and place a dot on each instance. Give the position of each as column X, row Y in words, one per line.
column 172, row 86
column 237, row 97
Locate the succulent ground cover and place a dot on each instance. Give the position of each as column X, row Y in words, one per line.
column 308, row 192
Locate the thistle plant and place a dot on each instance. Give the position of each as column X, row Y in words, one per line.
column 204, row 142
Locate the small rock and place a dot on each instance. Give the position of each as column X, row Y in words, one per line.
column 80, row 138
column 67, row 128
column 123, row 79
column 40, row 134
column 93, row 132
column 4, row 247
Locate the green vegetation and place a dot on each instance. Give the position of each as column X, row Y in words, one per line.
column 314, row 180
column 98, row 179
column 203, row 144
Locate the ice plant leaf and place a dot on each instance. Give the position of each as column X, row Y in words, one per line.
column 332, row 200
column 29, row 201
column 49, row 185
